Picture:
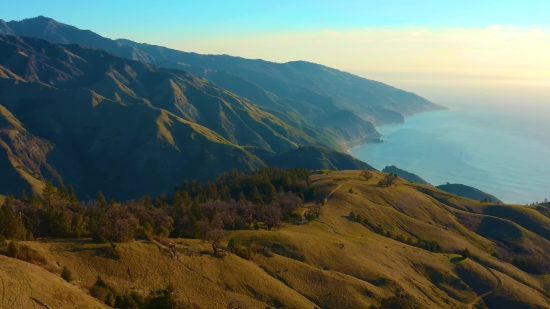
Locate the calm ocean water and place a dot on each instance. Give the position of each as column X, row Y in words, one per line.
column 501, row 150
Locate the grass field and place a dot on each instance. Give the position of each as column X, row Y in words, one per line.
column 331, row 262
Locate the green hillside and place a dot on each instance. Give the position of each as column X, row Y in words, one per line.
column 402, row 246
column 404, row 174
column 469, row 192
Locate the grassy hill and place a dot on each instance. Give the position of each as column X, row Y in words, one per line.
column 404, row 174
column 331, row 262
column 469, row 192
column 314, row 157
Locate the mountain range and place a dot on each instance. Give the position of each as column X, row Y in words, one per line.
column 129, row 118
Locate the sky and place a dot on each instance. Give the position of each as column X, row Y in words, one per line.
column 447, row 51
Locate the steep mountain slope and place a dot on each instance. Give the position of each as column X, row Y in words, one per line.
column 84, row 117
column 333, row 261
column 468, row 192
column 303, row 83
column 314, row 157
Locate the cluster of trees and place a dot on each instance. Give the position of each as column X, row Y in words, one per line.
column 432, row 246
column 234, row 201
column 389, row 180
column 543, row 203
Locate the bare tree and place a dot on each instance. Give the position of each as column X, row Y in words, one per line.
column 389, row 179
column 271, row 215
column 367, row 174
column 215, row 237
column 118, row 224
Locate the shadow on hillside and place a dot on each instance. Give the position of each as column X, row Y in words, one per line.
column 457, row 259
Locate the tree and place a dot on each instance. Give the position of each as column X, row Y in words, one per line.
column 48, row 194
column 13, row 249
column 465, row 253
column 118, row 224
column 352, row 215
column 11, row 225
column 389, row 179
column 255, row 196
column 100, row 199
column 367, row 174
column 66, row 274
column 215, row 237
column 271, row 193
column 271, row 215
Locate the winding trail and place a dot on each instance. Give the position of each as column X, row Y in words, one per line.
column 499, row 285
column 326, row 200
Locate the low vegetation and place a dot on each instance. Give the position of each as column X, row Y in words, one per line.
column 377, row 247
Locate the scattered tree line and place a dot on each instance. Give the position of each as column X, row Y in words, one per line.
column 159, row 299
column 236, row 200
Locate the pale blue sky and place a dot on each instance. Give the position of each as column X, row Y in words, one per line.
column 485, row 49
column 143, row 20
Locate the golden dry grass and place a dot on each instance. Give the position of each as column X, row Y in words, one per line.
column 328, row 263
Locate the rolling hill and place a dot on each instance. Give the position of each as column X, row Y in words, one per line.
column 405, row 251
column 404, row 174
column 468, row 192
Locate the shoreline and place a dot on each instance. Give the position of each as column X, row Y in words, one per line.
column 379, row 139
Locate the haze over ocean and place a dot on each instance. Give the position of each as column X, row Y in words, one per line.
column 504, row 151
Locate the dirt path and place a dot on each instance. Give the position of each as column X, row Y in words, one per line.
column 304, row 220
column 473, row 302
column 333, row 191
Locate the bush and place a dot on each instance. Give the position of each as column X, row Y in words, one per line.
column 13, row 249
column 67, row 274
column 30, row 255
column 3, row 242
column 350, row 190
column 465, row 253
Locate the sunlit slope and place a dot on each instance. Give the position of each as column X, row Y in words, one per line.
column 21, row 282
column 334, row 262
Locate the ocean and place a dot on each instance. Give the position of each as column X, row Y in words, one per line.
column 502, row 150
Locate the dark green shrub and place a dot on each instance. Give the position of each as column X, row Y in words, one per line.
column 67, row 274
column 13, row 249
column 465, row 253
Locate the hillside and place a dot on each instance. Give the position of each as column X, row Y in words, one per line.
column 84, row 117
column 404, row 249
column 404, row 174
column 469, row 192
column 314, row 157
column 310, row 89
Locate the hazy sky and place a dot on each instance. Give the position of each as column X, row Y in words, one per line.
column 446, row 51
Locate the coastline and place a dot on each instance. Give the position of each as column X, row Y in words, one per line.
column 379, row 140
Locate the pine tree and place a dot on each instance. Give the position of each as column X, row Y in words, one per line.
column 241, row 196
column 255, row 196
column 281, row 190
column 271, row 193
column 24, row 197
column 48, row 194
column 72, row 197
column 100, row 199
column 62, row 191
